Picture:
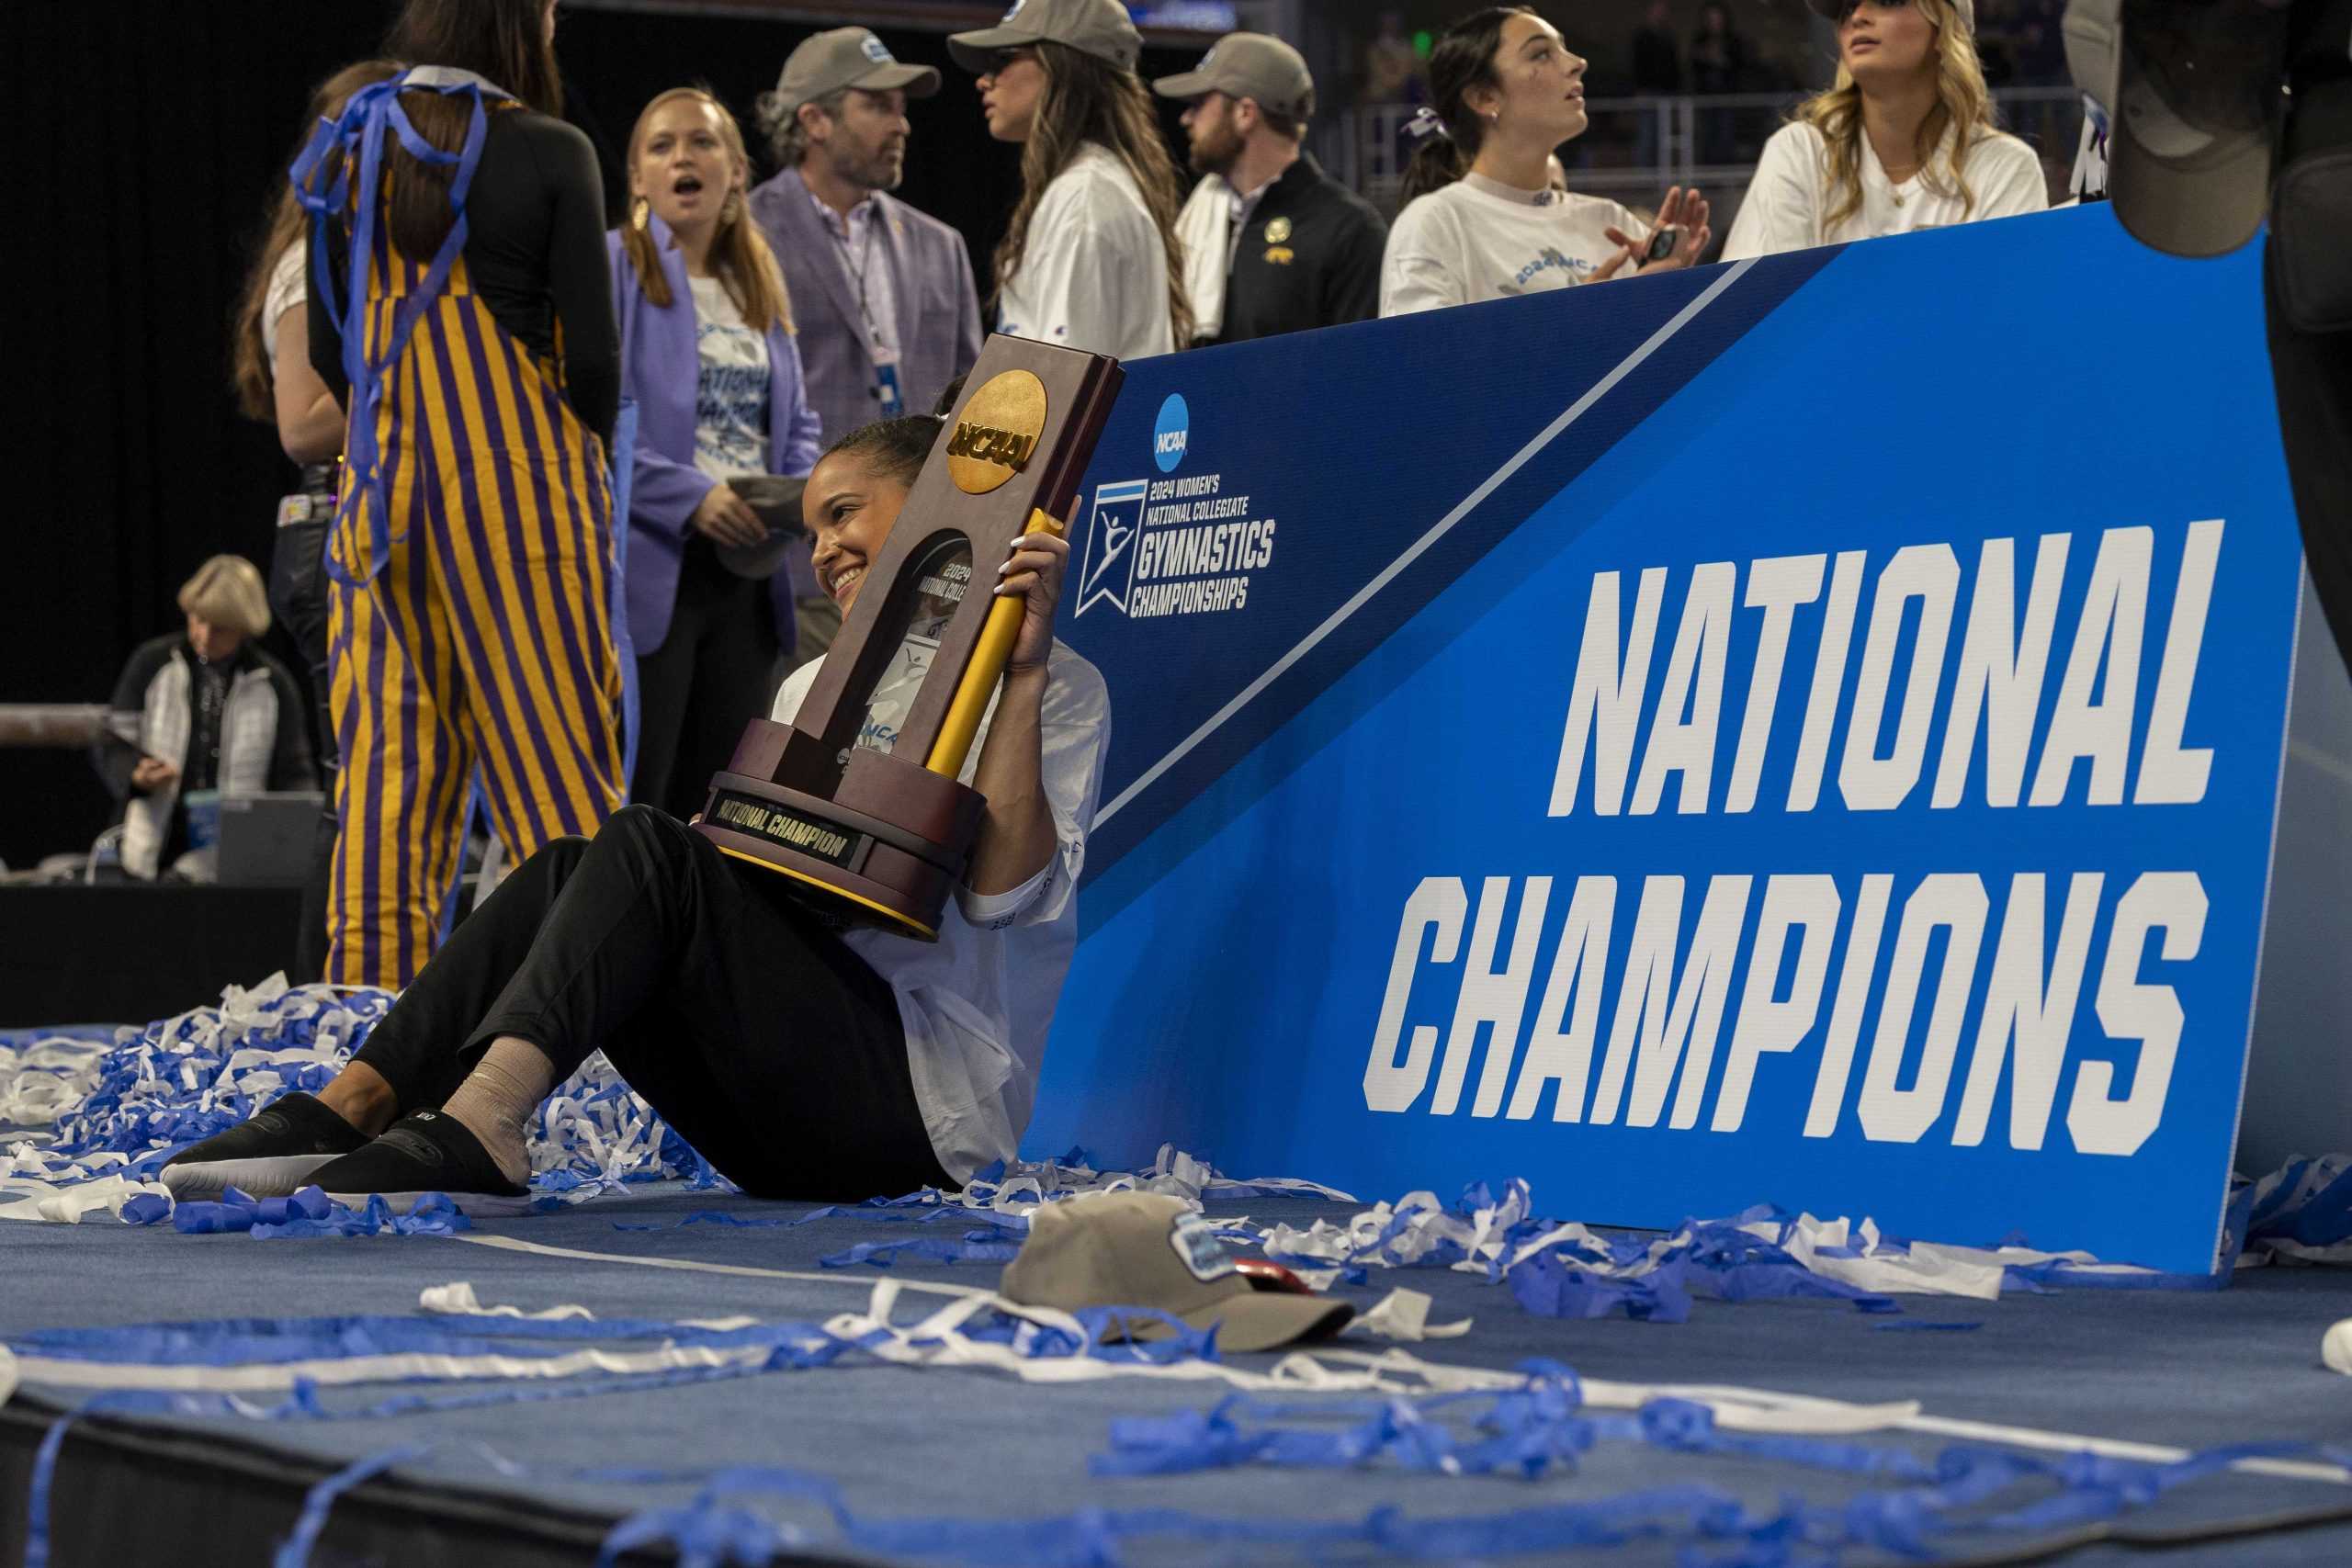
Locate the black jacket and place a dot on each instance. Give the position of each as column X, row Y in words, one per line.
column 1310, row 257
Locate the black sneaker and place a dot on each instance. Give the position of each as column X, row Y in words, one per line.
column 272, row 1155
column 425, row 1151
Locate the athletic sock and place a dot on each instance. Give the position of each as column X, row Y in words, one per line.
column 497, row 1099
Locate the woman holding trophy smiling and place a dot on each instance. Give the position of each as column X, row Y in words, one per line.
column 800, row 1060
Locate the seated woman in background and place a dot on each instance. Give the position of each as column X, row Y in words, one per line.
column 199, row 710
column 709, row 357
column 801, row 1060
column 1482, row 218
column 1905, row 140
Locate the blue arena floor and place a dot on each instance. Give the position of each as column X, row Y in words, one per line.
column 973, row 1465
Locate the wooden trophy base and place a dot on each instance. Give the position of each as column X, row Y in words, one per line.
column 887, row 848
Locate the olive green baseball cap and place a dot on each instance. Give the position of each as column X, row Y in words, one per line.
column 1150, row 1249
column 848, row 57
column 1249, row 65
column 1098, row 27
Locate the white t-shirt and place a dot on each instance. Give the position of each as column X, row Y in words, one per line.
column 1480, row 239
column 1789, row 196
column 977, row 1004
column 730, row 387
column 1093, row 274
column 289, row 290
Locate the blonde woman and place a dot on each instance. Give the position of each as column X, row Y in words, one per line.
column 198, row 711
column 1905, row 138
column 1091, row 259
column 709, row 354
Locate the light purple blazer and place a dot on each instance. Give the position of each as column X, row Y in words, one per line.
column 660, row 369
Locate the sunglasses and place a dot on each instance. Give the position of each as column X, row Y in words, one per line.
column 1003, row 59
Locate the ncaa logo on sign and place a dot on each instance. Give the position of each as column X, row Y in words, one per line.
column 1167, row 437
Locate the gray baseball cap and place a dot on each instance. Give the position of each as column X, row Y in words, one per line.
column 1249, row 65
column 777, row 499
column 2193, row 93
column 1098, row 27
column 1834, row 9
column 848, row 57
column 1148, row 1249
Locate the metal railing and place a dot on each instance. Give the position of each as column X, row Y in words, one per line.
column 1636, row 147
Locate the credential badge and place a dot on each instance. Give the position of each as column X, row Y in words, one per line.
column 1194, row 1238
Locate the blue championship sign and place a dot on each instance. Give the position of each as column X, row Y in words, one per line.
column 1806, row 732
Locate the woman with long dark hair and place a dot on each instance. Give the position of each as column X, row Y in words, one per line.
column 1481, row 219
column 715, row 375
column 1091, row 259
column 468, row 324
column 1904, row 138
column 270, row 372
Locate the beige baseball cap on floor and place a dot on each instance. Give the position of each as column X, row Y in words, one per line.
column 848, row 57
column 1098, row 27
column 1147, row 1249
column 1249, row 65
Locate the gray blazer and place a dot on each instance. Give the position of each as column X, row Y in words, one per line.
column 938, row 309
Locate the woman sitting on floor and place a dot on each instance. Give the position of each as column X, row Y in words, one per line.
column 799, row 1060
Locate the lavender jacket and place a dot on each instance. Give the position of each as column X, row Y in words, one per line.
column 660, row 370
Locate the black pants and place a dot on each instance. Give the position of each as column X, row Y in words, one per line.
column 297, row 593
column 750, row 1028
column 714, row 672
column 2312, row 372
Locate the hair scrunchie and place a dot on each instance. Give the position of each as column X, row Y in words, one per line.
column 1425, row 124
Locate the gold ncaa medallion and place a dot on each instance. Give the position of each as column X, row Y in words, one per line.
column 996, row 433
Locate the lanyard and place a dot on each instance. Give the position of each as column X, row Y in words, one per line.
column 858, row 261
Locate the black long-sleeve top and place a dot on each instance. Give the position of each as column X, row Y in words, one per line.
column 534, row 251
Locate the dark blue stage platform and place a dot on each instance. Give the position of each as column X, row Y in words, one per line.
column 833, row 1455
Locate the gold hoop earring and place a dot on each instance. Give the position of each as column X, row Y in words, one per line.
column 638, row 212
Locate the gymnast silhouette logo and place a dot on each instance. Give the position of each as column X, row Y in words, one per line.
column 1107, row 570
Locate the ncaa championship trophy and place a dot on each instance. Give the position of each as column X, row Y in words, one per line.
column 857, row 799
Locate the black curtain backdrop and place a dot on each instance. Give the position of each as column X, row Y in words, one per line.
column 152, row 133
